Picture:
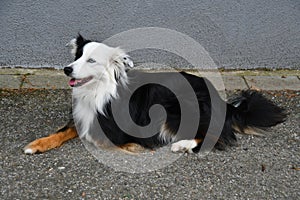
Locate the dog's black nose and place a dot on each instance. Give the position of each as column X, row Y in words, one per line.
column 68, row 70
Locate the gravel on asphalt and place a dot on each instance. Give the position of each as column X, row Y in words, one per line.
column 258, row 168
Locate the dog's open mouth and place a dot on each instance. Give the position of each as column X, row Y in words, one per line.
column 79, row 82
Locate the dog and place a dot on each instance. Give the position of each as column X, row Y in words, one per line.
column 102, row 75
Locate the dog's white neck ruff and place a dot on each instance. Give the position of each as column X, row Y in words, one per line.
column 91, row 99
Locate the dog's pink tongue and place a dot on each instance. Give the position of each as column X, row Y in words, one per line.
column 72, row 82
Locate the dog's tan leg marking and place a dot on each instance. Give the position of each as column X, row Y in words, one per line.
column 51, row 141
column 132, row 148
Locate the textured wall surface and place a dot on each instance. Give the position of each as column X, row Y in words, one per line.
column 236, row 33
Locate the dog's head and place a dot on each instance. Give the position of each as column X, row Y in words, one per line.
column 96, row 62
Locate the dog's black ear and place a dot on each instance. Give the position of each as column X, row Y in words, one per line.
column 76, row 46
column 80, row 41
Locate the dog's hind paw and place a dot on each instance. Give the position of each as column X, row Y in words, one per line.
column 184, row 146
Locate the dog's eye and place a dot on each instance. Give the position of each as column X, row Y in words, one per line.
column 91, row 60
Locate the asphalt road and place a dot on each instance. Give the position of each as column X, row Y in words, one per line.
column 258, row 168
column 236, row 34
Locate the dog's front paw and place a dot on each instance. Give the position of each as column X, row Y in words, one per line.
column 43, row 144
column 28, row 149
column 38, row 146
column 184, row 146
column 50, row 142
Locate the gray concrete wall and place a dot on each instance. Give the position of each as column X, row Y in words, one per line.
column 236, row 33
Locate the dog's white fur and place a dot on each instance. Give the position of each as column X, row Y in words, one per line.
column 91, row 97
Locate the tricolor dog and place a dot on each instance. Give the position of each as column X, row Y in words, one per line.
column 100, row 75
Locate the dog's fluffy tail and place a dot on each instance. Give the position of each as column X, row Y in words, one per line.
column 252, row 112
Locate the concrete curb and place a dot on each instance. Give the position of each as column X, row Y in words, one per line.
column 21, row 78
